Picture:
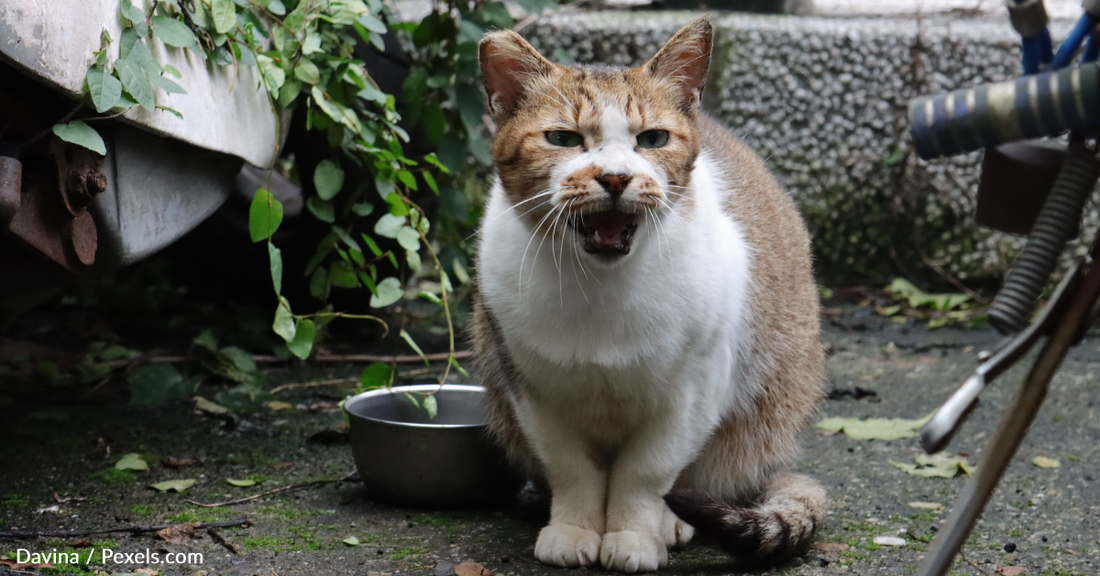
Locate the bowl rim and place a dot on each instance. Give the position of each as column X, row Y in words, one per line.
column 363, row 396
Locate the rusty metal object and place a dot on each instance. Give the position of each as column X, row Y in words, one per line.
column 51, row 214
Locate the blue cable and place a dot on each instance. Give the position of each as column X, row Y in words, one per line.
column 1046, row 50
column 1068, row 49
column 1030, row 49
column 1092, row 50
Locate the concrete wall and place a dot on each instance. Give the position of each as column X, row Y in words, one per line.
column 824, row 101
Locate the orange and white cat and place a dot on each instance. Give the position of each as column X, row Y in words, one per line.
column 647, row 320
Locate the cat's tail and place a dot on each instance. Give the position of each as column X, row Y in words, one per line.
column 781, row 525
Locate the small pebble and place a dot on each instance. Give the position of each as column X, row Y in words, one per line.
column 1010, row 547
column 889, row 541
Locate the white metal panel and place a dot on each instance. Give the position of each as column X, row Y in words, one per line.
column 54, row 40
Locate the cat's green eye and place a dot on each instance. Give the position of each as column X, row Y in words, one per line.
column 653, row 138
column 564, row 138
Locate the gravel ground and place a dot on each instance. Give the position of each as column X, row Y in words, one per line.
column 53, row 442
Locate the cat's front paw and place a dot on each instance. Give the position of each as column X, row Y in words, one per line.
column 567, row 546
column 675, row 532
column 633, row 552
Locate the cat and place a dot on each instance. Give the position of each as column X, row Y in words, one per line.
column 646, row 321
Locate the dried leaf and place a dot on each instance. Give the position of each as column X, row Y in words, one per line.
column 276, row 405
column 179, row 533
column 177, row 485
column 939, row 465
column 927, row 505
column 471, row 569
column 173, row 462
column 209, row 407
column 17, row 566
column 874, row 428
column 131, row 462
column 148, row 571
column 1011, row 570
column 889, row 541
column 1044, row 462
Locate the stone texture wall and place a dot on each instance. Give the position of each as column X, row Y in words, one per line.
column 824, row 101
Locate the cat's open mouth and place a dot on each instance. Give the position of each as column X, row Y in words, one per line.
column 608, row 233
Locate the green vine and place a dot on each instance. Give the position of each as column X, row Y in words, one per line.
column 304, row 52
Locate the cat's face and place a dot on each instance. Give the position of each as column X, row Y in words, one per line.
column 594, row 153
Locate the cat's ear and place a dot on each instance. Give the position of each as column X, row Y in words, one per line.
column 508, row 63
column 684, row 60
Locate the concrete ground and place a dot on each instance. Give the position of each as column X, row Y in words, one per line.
column 55, row 439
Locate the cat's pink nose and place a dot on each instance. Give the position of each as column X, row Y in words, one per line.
column 614, row 183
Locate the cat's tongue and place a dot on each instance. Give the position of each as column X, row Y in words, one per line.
column 609, row 232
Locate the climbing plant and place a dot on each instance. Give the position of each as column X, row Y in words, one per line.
column 304, row 54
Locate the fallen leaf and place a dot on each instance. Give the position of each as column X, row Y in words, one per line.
column 179, row 533
column 874, row 428
column 177, row 485
column 148, row 571
column 17, row 566
column 132, row 462
column 276, row 405
column 351, row 541
column 828, row 547
column 209, row 407
column 939, row 465
column 1044, row 462
column 241, row 482
column 173, row 462
column 81, row 543
column 280, row 465
column 927, row 505
column 471, row 569
column 61, row 500
column 889, row 541
column 1011, row 570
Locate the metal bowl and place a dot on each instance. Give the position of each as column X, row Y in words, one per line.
column 405, row 457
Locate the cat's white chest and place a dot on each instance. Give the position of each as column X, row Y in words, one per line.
column 680, row 298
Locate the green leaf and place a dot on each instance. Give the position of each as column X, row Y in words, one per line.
column 173, row 32
column 328, row 178
column 351, row 541
column 104, row 89
column 917, row 298
column 307, row 72
column 874, row 428
column 454, row 362
column 377, row 375
column 274, row 76
column 177, row 485
column 79, row 133
column 131, row 462
column 209, row 407
column 159, row 383
column 276, row 257
column 264, row 216
column 172, row 70
column 318, row 284
column 135, row 16
column 224, row 14
column 412, row 344
column 408, row 238
column 429, row 297
column 135, row 81
column 362, row 208
column 284, row 321
column 389, row 291
column 371, row 23
column 242, row 482
column 434, row 161
column 398, row 206
column 372, row 245
column 171, row 111
column 322, row 209
column 412, row 258
column 312, row 43
column 166, row 84
column 303, row 339
column 431, row 406
column 431, row 181
column 389, row 225
column 277, row 8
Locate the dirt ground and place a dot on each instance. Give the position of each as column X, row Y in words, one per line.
column 64, row 440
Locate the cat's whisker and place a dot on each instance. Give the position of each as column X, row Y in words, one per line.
column 524, row 258
column 534, row 261
column 542, row 194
